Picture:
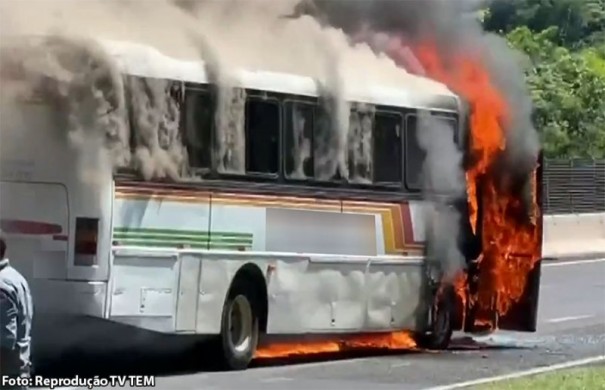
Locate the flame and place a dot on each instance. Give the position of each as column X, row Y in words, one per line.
column 488, row 112
column 393, row 340
column 511, row 245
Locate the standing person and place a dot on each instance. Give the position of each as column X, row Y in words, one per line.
column 16, row 312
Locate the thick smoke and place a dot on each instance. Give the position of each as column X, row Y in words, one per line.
column 84, row 89
column 443, row 185
column 361, row 123
column 226, row 36
column 454, row 28
column 228, row 151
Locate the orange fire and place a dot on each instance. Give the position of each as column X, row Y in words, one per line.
column 510, row 247
column 391, row 341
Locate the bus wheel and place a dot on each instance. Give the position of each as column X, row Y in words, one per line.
column 239, row 326
column 440, row 333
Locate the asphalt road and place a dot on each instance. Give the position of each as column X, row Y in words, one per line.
column 571, row 327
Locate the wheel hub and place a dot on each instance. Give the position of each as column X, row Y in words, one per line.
column 240, row 324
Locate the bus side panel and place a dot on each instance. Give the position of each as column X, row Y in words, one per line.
column 187, row 246
column 152, row 285
column 331, row 294
column 144, row 289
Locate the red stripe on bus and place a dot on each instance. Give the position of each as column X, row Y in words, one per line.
column 17, row 226
column 408, row 225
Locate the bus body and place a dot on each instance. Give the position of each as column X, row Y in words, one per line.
column 309, row 256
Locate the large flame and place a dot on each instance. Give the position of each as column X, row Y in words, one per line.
column 510, row 242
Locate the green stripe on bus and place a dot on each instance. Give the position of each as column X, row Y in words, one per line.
column 194, row 245
column 180, row 238
column 196, row 239
column 177, row 232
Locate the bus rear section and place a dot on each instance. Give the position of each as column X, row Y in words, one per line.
column 55, row 221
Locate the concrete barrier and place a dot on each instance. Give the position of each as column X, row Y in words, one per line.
column 574, row 235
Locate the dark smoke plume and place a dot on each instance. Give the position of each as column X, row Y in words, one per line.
column 452, row 26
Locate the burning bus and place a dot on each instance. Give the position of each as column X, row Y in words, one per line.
column 225, row 219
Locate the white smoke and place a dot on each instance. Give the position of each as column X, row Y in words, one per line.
column 226, row 35
column 301, row 145
column 79, row 81
column 361, row 124
column 156, row 118
column 443, row 183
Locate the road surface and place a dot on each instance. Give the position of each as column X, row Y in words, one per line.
column 571, row 327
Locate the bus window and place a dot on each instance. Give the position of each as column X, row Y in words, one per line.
column 359, row 145
column 262, row 136
column 414, row 153
column 299, row 125
column 387, row 148
column 361, row 120
column 154, row 107
column 325, row 166
column 198, row 125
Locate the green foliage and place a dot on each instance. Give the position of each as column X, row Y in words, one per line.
column 570, row 379
column 564, row 41
column 578, row 21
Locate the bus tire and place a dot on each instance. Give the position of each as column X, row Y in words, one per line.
column 239, row 326
column 441, row 329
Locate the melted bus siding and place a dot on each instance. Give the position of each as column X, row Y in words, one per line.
column 277, row 248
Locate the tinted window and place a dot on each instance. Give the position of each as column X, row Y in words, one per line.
column 414, row 153
column 198, row 125
column 299, row 126
column 387, row 148
column 262, row 136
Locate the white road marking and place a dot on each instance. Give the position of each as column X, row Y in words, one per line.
column 277, row 379
column 572, row 262
column 519, row 374
column 571, row 318
column 399, row 365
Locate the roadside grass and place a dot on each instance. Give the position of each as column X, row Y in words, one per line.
column 587, row 378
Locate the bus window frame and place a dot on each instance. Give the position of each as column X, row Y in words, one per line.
column 198, row 88
column 264, row 97
column 344, row 184
column 401, row 113
column 434, row 113
column 312, row 102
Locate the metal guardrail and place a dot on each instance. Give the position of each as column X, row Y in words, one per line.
column 574, row 186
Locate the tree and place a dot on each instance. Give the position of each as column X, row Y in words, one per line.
column 579, row 22
column 568, row 90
